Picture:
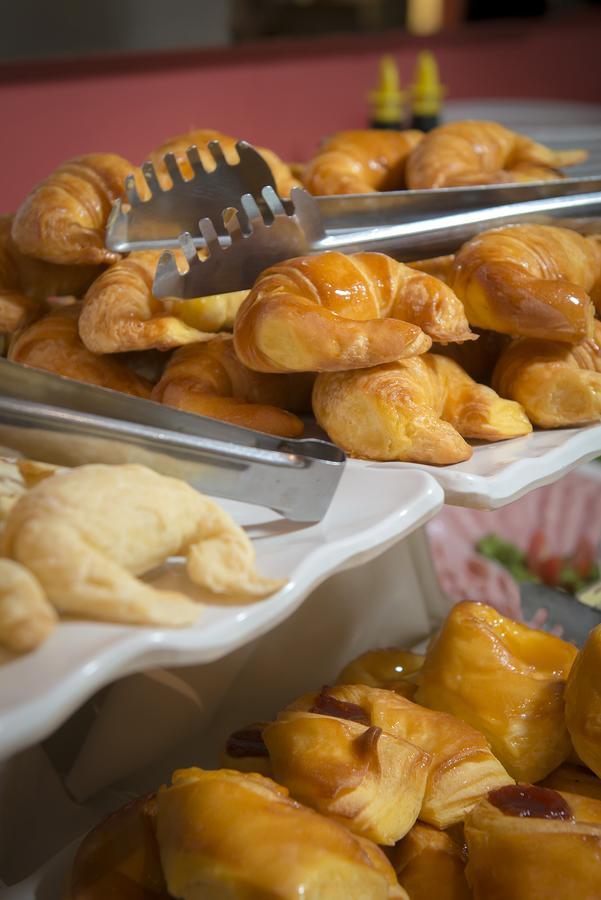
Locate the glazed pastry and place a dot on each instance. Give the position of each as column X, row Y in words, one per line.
column 430, row 866
column 227, row 834
column 415, row 410
column 440, row 267
column 462, row 768
column 332, row 312
column 505, row 679
column 557, row 384
column 26, row 616
column 209, row 380
column 245, row 750
column 53, row 344
column 361, row 162
column 532, row 843
column 63, row 219
column 480, row 152
column 583, row 702
column 529, row 281
column 200, row 137
column 87, row 533
column 120, row 313
column 120, row 857
column 392, row 669
column 330, row 758
column 574, row 780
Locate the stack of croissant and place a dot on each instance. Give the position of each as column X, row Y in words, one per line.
column 470, row 772
column 396, row 362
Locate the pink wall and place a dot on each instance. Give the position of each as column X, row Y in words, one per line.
column 285, row 96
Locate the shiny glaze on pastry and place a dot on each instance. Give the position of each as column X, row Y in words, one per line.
column 481, row 152
column 505, row 679
column 557, row 384
column 332, row 312
column 208, row 379
column 389, row 668
column 227, row 834
column 430, row 865
column 529, row 281
column 415, row 410
column 463, row 768
column 583, row 702
column 63, row 219
column 364, row 778
column 361, row 162
column 53, row 343
column 200, row 137
column 552, row 849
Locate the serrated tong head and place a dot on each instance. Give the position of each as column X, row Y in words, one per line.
column 173, row 201
column 258, row 235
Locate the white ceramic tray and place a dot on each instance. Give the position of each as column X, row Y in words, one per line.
column 502, row 472
column 370, row 511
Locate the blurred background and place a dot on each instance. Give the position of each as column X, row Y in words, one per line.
column 123, row 75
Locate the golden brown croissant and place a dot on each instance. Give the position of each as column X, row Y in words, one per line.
column 394, row 670
column 200, row 137
column 245, row 750
column 532, row 843
column 209, row 380
column 574, row 780
column 227, row 834
column 430, row 866
column 529, row 281
column 16, row 309
column 120, row 857
column 557, row 384
column 364, row 778
column 63, row 219
column 416, row 410
column 332, row 312
column 53, row 343
column 505, row 679
column 462, row 769
column 480, row 152
column 360, row 162
column 583, row 702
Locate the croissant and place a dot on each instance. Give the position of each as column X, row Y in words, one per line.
column 529, row 281
column 63, row 219
column 245, row 750
column 361, row 162
column 208, row 379
column 416, row 410
column 360, row 776
column 26, row 616
column 474, row 152
column 557, row 384
column 532, row 843
column 332, row 312
column 583, row 702
column 430, row 866
column 505, row 679
column 16, row 309
column 394, row 670
column 120, row 857
column 227, row 834
column 574, row 780
column 53, row 343
column 200, row 137
column 462, row 769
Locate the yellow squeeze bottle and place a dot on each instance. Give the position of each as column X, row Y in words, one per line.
column 387, row 101
column 426, row 93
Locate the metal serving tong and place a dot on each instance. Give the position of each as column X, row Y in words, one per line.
column 54, row 419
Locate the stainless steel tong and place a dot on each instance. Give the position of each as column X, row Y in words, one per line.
column 57, row 420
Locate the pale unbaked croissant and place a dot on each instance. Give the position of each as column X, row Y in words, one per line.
column 208, row 379
column 63, row 219
column 360, row 162
column 481, row 152
column 200, row 137
column 332, row 312
column 26, row 616
column 53, row 343
column 557, row 384
column 529, row 281
column 415, row 410
column 120, row 312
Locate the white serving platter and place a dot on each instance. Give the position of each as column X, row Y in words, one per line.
column 506, row 470
column 370, row 512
